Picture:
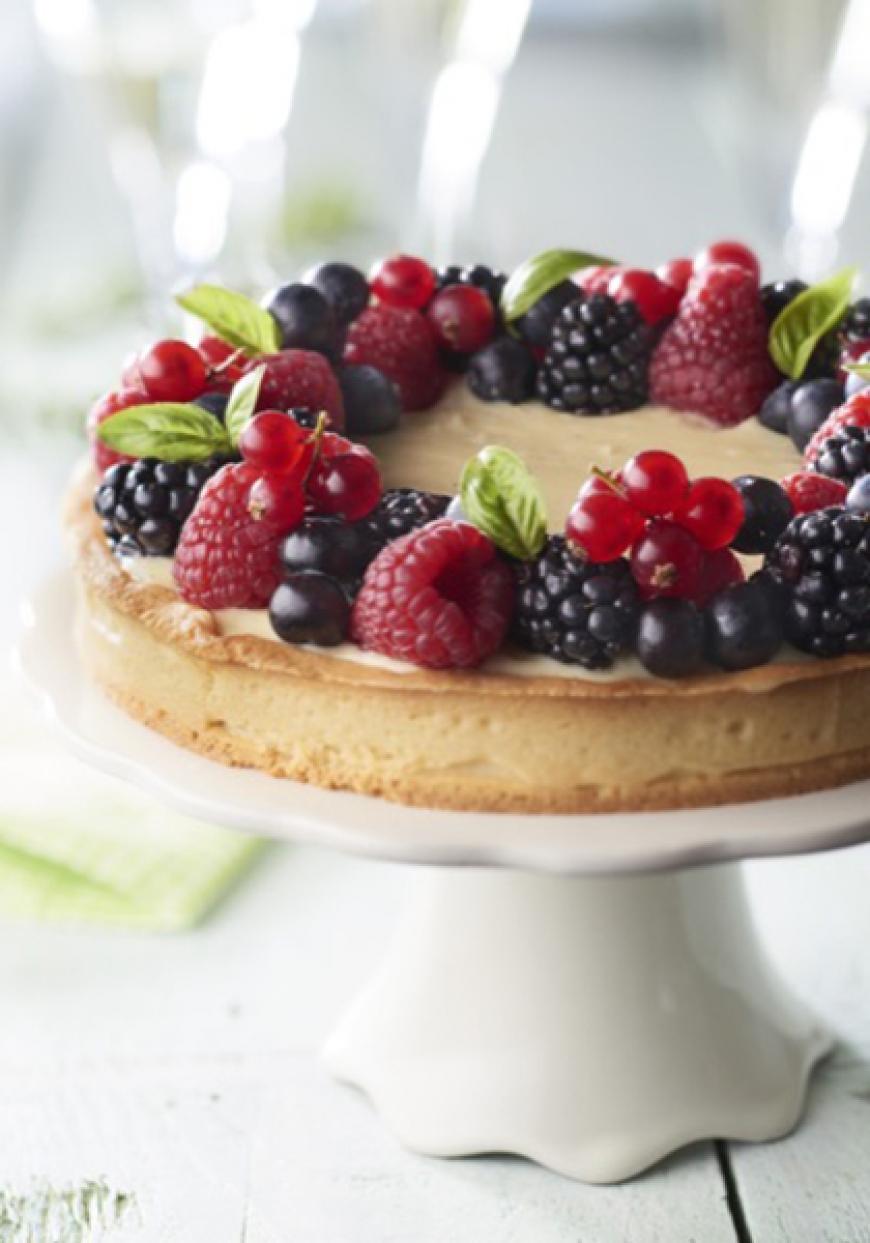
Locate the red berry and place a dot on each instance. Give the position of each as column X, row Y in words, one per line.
column 712, row 511
column 215, row 353
column 463, row 318
column 331, row 444
column 348, row 484
column 655, row 300
column 110, row 403
column 655, row 482
column 171, row 371
column 720, row 569
column 851, row 352
column 403, row 280
column 808, row 491
column 729, row 252
column 713, row 358
column 595, row 279
column 601, row 481
column 676, row 272
column 602, row 525
column 272, row 440
column 226, row 558
column 400, row 342
column 667, row 560
column 299, row 378
column 277, row 499
column 853, row 413
column 439, row 597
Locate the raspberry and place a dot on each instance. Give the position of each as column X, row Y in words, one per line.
column 110, row 403
column 735, row 253
column 299, row 378
column 713, row 358
column 853, row 413
column 438, row 597
column 809, row 491
column 227, row 557
column 400, row 342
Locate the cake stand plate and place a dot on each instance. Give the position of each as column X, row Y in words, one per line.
column 585, row 994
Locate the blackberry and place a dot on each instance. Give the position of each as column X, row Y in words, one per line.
column 401, row 510
column 856, row 324
column 822, row 562
column 304, row 416
column 776, row 296
column 598, row 358
column 576, row 611
column 845, row 455
column 143, row 504
column 536, row 326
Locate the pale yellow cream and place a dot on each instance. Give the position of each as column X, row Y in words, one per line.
column 430, row 448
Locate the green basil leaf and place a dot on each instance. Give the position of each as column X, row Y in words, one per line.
column 859, row 369
column 800, row 326
column 503, row 500
column 242, row 403
column 168, row 430
column 234, row 317
column 537, row 275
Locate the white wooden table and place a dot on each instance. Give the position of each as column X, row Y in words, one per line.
column 183, row 1070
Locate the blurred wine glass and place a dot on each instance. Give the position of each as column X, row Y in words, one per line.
column 194, row 96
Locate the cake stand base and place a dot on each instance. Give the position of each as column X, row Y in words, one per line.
column 592, row 1024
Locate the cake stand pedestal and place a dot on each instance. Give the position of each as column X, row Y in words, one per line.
column 586, row 991
column 592, row 1024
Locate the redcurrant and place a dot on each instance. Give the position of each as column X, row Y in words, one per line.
column 728, row 252
column 463, row 318
column 676, row 272
column 171, row 371
column 655, row 482
column 109, row 404
column 667, row 560
column 348, row 484
column 712, row 511
column 720, row 569
column 272, row 440
column 222, row 374
column 595, row 279
column 655, row 300
column 403, row 280
column 277, row 499
column 602, row 525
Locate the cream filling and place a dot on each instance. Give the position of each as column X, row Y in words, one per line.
column 429, row 449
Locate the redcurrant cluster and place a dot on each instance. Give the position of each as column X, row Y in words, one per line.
column 462, row 316
column 303, row 469
column 676, row 531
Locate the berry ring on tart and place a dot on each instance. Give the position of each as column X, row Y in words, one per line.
column 582, row 538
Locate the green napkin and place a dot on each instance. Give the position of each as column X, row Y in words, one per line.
column 78, row 846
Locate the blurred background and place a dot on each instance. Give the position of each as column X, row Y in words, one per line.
column 144, row 143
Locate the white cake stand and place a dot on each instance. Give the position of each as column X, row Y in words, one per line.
column 585, row 994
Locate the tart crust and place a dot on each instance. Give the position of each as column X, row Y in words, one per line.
column 461, row 740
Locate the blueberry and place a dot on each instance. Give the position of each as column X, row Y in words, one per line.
column 343, row 286
column 340, row 549
column 504, row 370
column 855, row 383
column 743, row 627
column 767, row 512
column 670, row 638
column 811, row 403
column 858, row 497
column 310, row 608
column 777, row 406
column 214, row 403
column 371, row 401
column 536, row 325
column 306, row 319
